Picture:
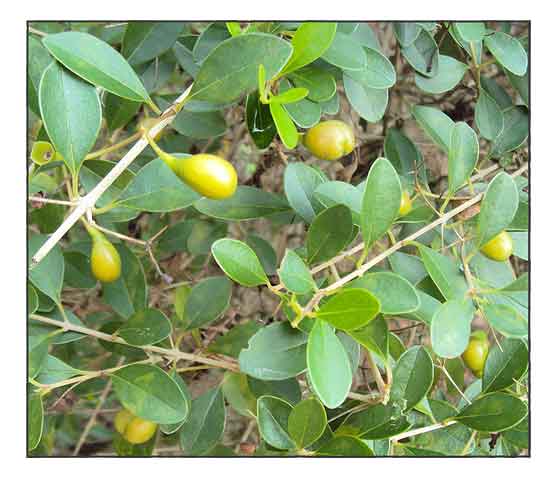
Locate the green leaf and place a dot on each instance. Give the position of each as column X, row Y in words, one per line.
column 235, row 340
column 503, row 368
column 304, row 113
column 374, row 337
column 237, row 393
column 37, row 351
column 239, row 262
column 200, row 313
column 335, row 193
column 345, row 53
column 119, row 111
column 46, row 276
column 498, row 207
column 519, row 285
column 199, row 124
column 488, row 116
column 265, row 252
column 35, row 413
column 144, row 41
column 463, row 155
column 350, row 309
column 423, row 54
column 396, row 294
column 520, row 84
column 408, row 266
column 288, row 390
column 369, row 103
column 284, row 124
column 98, row 63
column 156, row 188
column 234, row 28
column 497, row 92
column 149, row 393
column 450, row 328
column 412, row 377
column 436, row 124
column 307, row 422
column 205, row 425
column 231, row 68
column 449, row 75
column 320, row 84
column 445, row 274
column 406, row 32
column 493, row 412
column 404, row 156
column 275, row 352
column 259, row 121
column 295, row 274
column 471, row 31
column 507, row 320
column 174, row 427
column 292, row 95
column 328, row 234
column 519, row 434
column 32, row 299
column 375, row 423
column 381, row 201
column 300, row 181
column 38, row 59
column 328, row 365
column 71, row 112
column 344, row 446
column 128, row 294
column 508, row 51
column 210, row 38
column 145, row 327
column 246, row 204
column 378, row 73
column 273, row 416
column 309, row 42
column 514, row 132
column 55, row 370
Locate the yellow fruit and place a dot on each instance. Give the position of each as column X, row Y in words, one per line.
column 139, row 430
column 476, row 352
column 105, row 260
column 330, row 140
column 210, row 175
column 499, row 248
column 406, row 204
column 122, row 419
column 42, row 153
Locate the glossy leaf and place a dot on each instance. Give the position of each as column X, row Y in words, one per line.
column 379, row 72
column 205, row 425
column 292, row 95
column 273, row 416
column 71, row 112
column 381, row 201
column 463, row 155
column 239, row 262
column 259, row 121
column 335, row 193
column 350, row 309
column 503, row 368
column 328, row 234
column 145, row 327
column 320, row 84
column 346, row 53
column 200, row 313
column 493, row 412
column 284, row 124
column 450, row 328
column 448, row 76
column 231, row 68
column 328, row 365
column 300, row 181
column 498, row 207
column 275, row 352
column 412, row 377
column 488, row 116
column 295, row 274
column 508, row 51
column 376, row 422
column 150, row 393
column 436, row 124
column 307, row 422
column 98, row 63
column 144, row 41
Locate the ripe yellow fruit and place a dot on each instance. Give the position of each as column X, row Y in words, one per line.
column 210, row 175
column 499, row 248
column 105, row 260
column 330, row 140
column 42, row 153
column 134, row 429
column 406, row 204
column 476, row 352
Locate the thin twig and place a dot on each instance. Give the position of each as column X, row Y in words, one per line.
column 51, row 200
column 418, row 431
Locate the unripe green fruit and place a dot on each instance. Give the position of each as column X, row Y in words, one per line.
column 330, row 140
column 42, row 153
column 476, row 352
column 210, row 175
column 134, row 429
column 406, row 204
column 499, row 248
column 105, row 260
